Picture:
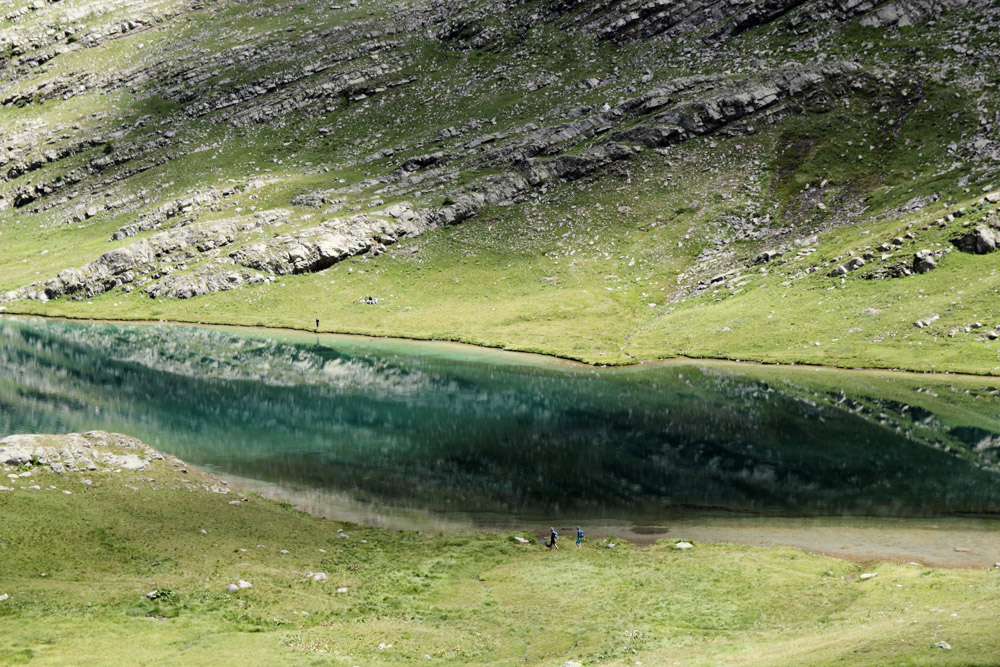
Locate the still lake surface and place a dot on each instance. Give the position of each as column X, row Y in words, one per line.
column 378, row 428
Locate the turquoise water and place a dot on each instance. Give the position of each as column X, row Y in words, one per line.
column 445, row 429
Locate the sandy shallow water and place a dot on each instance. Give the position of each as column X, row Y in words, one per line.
column 936, row 542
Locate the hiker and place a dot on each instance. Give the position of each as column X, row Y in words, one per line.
column 579, row 537
column 553, row 535
column 317, row 324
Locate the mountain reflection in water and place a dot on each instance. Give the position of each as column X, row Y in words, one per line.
column 388, row 423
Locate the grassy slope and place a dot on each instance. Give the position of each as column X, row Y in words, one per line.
column 573, row 271
column 77, row 568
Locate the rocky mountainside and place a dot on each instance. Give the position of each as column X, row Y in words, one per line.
column 686, row 161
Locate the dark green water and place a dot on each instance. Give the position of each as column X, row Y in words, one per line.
column 447, row 430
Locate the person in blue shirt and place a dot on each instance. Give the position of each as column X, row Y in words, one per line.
column 553, row 535
column 579, row 537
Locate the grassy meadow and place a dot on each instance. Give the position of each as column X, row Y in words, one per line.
column 134, row 567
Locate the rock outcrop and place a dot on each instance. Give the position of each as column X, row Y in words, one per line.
column 92, row 451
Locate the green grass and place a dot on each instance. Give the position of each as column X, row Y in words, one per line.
column 570, row 271
column 78, row 567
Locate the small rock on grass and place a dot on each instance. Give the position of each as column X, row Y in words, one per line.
column 944, row 645
column 869, row 575
column 683, row 546
column 3, row 597
column 232, row 588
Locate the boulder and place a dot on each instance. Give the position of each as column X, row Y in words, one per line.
column 838, row 271
column 766, row 256
column 980, row 241
column 923, row 261
column 15, row 455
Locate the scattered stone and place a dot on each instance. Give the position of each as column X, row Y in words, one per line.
column 945, row 645
column 521, row 540
column 244, row 584
column 232, row 588
column 683, row 546
column 341, row 590
column 926, row 321
column 4, row 597
column 869, row 575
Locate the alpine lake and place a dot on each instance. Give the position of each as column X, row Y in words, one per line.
column 442, row 436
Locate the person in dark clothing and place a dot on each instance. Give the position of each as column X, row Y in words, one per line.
column 553, row 535
column 317, row 324
column 579, row 537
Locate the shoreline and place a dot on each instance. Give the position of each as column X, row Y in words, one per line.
column 545, row 357
column 948, row 542
column 939, row 542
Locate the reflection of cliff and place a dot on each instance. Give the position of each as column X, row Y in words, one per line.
column 470, row 436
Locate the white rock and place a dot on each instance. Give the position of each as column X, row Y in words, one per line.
column 683, row 546
column 341, row 590
column 244, row 584
column 944, row 645
column 869, row 575
column 4, row 597
column 521, row 540
column 232, row 588
column 319, row 576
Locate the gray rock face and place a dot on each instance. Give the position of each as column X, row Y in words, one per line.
column 147, row 257
column 766, row 256
column 203, row 281
column 76, row 452
column 980, row 241
column 923, row 261
column 317, row 248
column 165, row 212
column 310, row 199
column 727, row 105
